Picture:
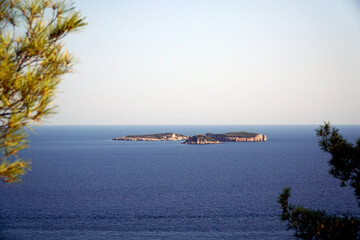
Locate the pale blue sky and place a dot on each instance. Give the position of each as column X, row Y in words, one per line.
column 214, row 62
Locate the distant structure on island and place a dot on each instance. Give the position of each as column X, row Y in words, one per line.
column 154, row 137
column 208, row 138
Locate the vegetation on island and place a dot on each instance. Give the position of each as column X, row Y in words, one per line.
column 155, row 135
column 32, row 61
column 241, row 134
column 201, row 139
column 344, row 165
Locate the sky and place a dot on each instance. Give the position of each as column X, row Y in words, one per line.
column 213, row 62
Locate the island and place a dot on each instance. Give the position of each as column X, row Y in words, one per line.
column 201, row 139
column 154, row 137
column 238, row 137
column 208, row 138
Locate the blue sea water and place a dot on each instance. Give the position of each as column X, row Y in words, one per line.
column 85, row 186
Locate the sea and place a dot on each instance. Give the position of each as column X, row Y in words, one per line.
column 83, row 185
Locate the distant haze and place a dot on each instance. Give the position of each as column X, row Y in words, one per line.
column 214, row 62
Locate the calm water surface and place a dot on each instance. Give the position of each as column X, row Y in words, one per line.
column 85, row 186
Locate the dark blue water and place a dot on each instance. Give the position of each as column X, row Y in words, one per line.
column 85, row 186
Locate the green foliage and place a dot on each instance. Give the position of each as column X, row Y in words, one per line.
column 32, row 61
column 317, row 224
column 345, row 161
column 205, row 138
column 240, row 134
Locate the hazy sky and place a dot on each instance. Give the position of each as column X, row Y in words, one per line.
column 214, row 62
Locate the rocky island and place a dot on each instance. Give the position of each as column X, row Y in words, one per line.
column 201, row 139
column 238, row 137
column 154, row 137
